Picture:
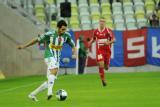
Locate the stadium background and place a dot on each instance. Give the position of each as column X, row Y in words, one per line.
column 22, row 71
column 22, row 20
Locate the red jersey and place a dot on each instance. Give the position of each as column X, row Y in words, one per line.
column 101, row 37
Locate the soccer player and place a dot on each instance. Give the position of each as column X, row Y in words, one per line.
column 54, row 41
column 104, row 38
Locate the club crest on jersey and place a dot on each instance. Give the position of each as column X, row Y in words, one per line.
column 97, row 33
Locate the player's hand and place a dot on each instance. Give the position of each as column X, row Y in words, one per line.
column 74, row 56
column 20, row 47
column 107, row 43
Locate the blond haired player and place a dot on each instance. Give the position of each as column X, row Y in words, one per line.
column 104, row 38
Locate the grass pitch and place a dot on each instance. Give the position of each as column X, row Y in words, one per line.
column 123, row 90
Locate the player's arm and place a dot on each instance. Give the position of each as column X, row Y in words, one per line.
column 74, row 52
column 72, row 44
column 40, row 39
column 30, row 43
column 112, row 38
column 110, row 42
column 92, row 40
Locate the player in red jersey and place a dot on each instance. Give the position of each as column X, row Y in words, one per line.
column 104, row 38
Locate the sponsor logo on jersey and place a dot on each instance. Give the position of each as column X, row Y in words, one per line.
column 102, row 41
column 55, row 47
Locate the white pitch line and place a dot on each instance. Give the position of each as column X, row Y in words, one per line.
column 15, row 88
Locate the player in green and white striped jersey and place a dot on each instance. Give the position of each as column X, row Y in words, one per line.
column 54, row 41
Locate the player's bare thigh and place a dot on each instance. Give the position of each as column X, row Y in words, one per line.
column 54, row 71
column 101, row 64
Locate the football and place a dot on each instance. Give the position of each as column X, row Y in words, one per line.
column 61, row 95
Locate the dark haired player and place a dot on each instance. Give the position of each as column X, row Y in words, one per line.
column 54, row 41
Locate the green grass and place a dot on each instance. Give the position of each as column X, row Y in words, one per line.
column 123, row 90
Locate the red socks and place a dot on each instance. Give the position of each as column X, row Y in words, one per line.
column 101, row 73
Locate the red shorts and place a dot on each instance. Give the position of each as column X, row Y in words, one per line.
column 103, row 56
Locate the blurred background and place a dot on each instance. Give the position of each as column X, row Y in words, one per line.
column 22, row 20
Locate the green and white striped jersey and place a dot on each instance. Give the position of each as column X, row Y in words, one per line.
column 54, row 43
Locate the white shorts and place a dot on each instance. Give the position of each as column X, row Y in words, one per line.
column 51, row 63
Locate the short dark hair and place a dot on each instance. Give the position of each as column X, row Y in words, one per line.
column 61, row 23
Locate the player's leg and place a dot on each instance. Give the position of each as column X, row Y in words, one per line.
column 79, row 65
column 42, row 87
column 100, row 61
column 107, row 61
column 82, row 63
column 53, row 67
column 33, row 94
column 106, row 64
column 51, row 80
column 101, row 72
column 107, row 58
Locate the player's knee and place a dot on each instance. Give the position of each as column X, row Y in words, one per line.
column 101, row 65
column 54, row 71
column 106, row 68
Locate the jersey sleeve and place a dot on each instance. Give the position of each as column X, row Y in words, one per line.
column 69, row 40
column 111, row 34
column 42, row 38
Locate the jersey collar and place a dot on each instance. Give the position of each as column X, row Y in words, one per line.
column 100, row 29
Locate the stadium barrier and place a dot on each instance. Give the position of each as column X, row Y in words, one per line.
column 132, row 48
